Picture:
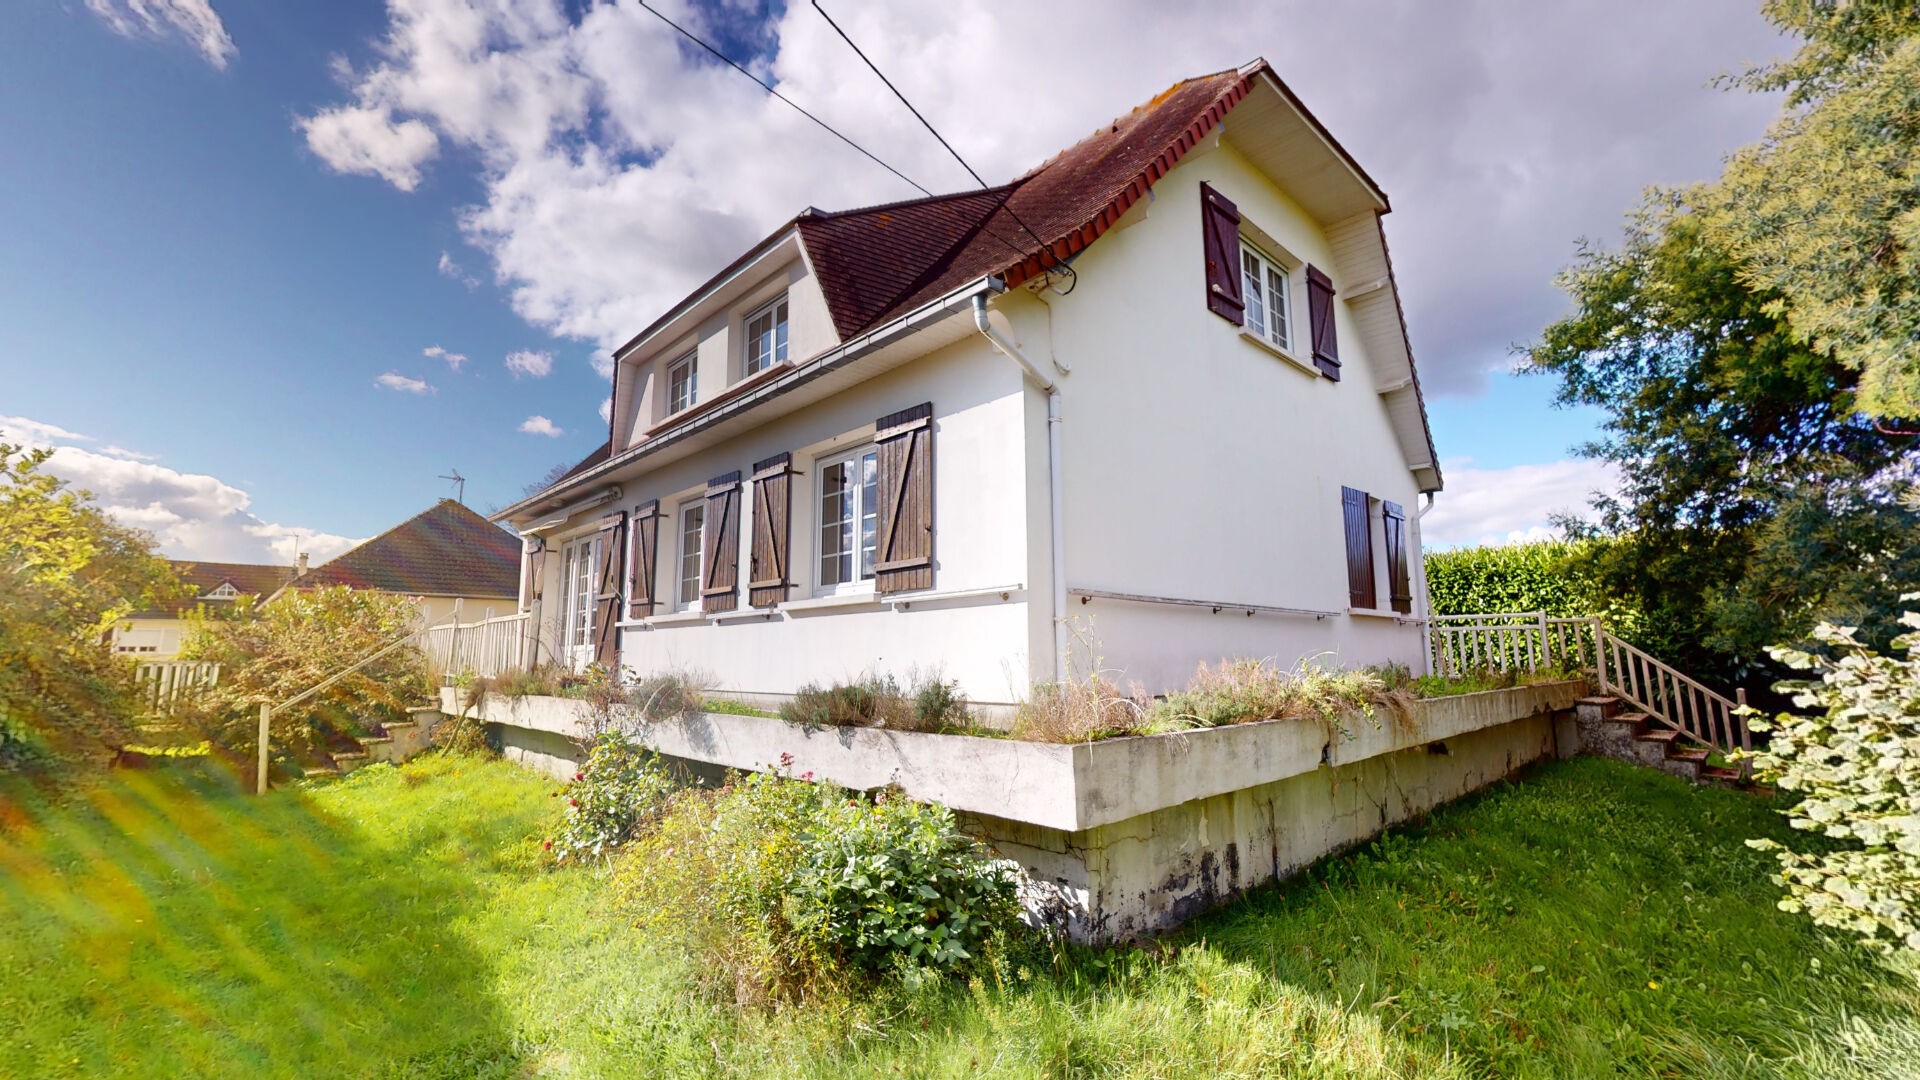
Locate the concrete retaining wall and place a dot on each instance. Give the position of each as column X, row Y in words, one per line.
column 1127, row 836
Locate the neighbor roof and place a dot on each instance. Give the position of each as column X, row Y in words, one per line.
column 446, row 551
column 247, row 579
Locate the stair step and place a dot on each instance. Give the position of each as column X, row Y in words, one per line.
column 374, row 740
column 1601, row 700
column 1694, row 753
column 1720, row 773
column 1664, row 735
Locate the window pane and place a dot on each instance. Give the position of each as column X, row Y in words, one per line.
column 836, row 524
column 779, row 349
column 1250, row 291
column 690, row 528
column 869, row 510
column 1277, row 307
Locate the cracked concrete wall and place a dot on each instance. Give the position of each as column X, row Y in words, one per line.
column 1157, row 870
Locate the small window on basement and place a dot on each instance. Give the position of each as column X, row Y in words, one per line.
column 1269, row 300
column 767, row 336
column 683, row 384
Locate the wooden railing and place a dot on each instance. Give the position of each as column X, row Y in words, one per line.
column 489, row 647
column 163, row 682
column 1532, row 640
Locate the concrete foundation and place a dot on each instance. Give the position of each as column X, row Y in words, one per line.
column 1125, row 837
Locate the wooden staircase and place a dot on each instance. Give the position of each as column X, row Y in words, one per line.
column 1610, row 728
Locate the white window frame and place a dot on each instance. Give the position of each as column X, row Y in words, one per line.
column 579, row 568
column 861, row 582
column 753, row 361
column 681, row 600
column 1262, row 294
column 689, row 364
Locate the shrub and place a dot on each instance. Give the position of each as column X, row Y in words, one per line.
column 620, row 788
column 785, row 890
column 1542, row 576
column 1855, row 763
column 1238, row 691
column 928, row 703
column 1079, row 711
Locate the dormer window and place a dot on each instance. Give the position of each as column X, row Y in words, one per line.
column 683, row 384
column 767, row 336
column 226, row 591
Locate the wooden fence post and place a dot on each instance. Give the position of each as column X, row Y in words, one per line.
column 266, row 716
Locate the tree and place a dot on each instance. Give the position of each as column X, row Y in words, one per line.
column 271, row 653
column 1755, row 499
column 1824, row 213
column 68, row 572
column 1854, row 762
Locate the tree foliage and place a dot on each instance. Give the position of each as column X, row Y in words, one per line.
column 1755, row 500
column 1824, row 213
column 271, row 653
column 1855, row 763
column 68, row 573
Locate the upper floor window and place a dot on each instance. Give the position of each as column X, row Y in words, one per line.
column 683, row 384
column 1269, row 303
column 767, row 336
column 849, row 512
column 693, row 519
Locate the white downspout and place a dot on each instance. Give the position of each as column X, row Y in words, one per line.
column 1056, row 511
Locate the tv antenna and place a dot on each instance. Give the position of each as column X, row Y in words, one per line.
column 460, row 486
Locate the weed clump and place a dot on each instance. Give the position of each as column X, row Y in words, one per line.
column 926, row 703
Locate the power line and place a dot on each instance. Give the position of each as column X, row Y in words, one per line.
column 768, row 87
column 1006, row 205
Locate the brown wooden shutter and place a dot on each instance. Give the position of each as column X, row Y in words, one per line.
column 532, row 562
column 720, row 590
column 606, row 608
column 767, row 580
column 643, row 561
column 1220, row 235
column 1353, row 506
column 1399, row 582
column 1326, row 341
column 904, row 559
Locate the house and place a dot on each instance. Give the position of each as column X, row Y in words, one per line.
column 156, row 634
column 442, row 556
column 1148, row 405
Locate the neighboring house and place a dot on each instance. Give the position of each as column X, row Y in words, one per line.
column 444, row 554
column 156, row 634
column 1186, row 426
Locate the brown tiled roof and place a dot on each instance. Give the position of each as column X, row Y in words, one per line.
column 446, row 551
column 248, row 579
column 880, row 262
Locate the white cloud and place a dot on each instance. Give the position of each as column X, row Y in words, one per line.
column 450, row 269
column 540, row 425
column 606, row 409
column 393, row 380
column 194, row 20
column 620, row 167
column 192, row 515
column 1504, row 506
column 527, row 362
column 454, row 360
column 366, row 140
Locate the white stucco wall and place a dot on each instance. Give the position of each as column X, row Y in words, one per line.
column 985, row 423
column 1199, row 465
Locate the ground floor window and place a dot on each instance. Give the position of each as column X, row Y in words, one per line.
column 693, row 520
column 581, row 561
column 849, row 511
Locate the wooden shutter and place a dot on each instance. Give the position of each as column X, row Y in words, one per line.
column 767, row 580
column 533, row 558
column 1220, row 236
column 643, row 561
column 1326, row 342
column 606, row 608
column 1353, row 506
column 904, row 556
column 1399, row 582
column 720, row 588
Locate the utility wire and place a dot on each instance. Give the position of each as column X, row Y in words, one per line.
column 727, row 60
column 1006, row 205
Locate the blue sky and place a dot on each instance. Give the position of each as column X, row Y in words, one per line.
column 229, row 221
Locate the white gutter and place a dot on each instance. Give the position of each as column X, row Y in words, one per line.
column 1055, row 506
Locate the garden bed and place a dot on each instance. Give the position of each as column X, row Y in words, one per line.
column 1126, row 835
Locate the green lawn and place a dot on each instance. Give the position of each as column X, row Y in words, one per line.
column 1594, row 920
